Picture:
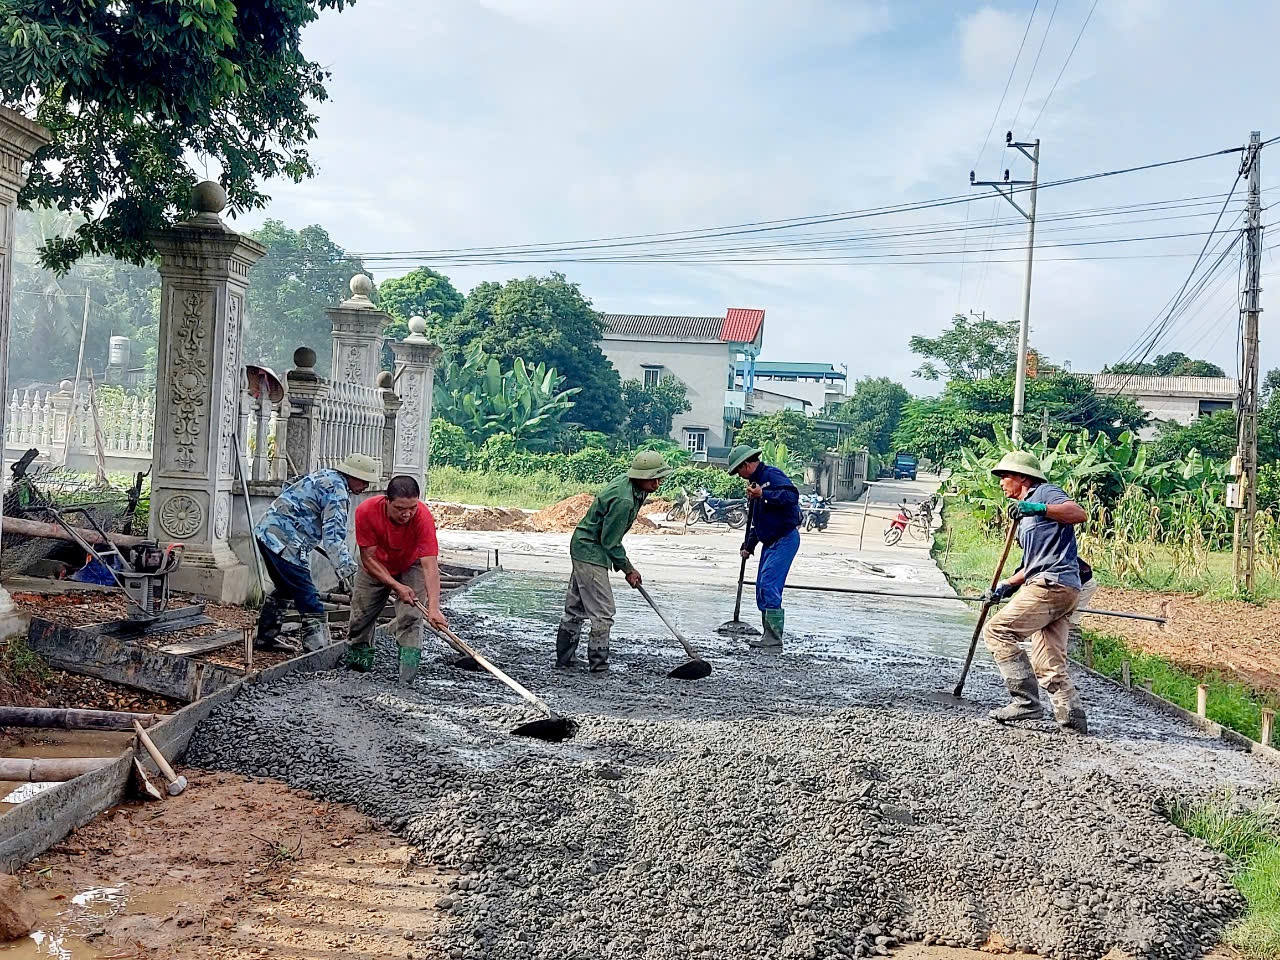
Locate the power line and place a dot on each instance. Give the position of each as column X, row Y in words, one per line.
column 1070, row 54
column 1030, row 76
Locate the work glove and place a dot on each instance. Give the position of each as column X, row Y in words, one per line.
column 1028, row 508
column 1000, row 594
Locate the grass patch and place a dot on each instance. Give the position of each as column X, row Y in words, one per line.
column 1248, row 838
column 531, row 491
column 20, row 662
column 1231, row 704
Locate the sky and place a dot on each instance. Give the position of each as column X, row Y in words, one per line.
column 464, row 123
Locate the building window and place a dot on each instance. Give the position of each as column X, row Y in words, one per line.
column 1206, row 407
column 652, row 376
column 696, row 441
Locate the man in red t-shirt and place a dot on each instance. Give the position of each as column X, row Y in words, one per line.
column 396, row 535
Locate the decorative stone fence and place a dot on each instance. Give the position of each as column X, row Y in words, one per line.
column 124, row 425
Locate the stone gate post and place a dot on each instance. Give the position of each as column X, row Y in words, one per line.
column 357, row 335
column 204, row 270
column 19, row 140
column 415, row 378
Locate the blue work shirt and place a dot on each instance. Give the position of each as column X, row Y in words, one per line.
column 777, row 511
column 1049, row 547
column 311, row 512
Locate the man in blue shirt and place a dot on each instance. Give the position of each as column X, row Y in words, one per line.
column 1045, row 591
column 311, row 512
column 775, row 524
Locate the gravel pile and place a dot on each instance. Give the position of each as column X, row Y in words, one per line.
column 783, row 808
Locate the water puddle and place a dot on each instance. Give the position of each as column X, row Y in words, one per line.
column 53, row 744
column 69, row 926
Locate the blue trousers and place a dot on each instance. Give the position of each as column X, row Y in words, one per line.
column 775, row 564
column 292, row 583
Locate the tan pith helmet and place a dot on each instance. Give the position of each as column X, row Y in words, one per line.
column 649, row 465
column 1020, row 461
column 360, row 466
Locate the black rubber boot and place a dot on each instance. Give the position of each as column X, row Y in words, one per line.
column 1071, row 716
column 270, row 620
column 1020, row 681
column 597, row 650
column 315, row 632
column 566, row 648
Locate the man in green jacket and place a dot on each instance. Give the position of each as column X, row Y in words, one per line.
column 596, row 547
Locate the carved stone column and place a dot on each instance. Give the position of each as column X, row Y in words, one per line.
column 204, row 270
column 391, row 404
column 357, row 335
column 415, row 377
column 303, row 393
column 19, row 139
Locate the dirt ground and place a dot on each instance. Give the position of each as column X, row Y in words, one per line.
column 232, row 869
column 560, row 517
column 1231, row 636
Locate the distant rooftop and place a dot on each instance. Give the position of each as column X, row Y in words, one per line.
column 824, row 371
column 738, row 325
column 1208, row 388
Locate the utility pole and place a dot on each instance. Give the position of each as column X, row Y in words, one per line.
column 1005, row 188
column 1247, row 419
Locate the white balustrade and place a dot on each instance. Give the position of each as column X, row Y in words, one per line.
column 351, row 421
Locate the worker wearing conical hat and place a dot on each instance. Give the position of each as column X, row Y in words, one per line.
column 596, row 548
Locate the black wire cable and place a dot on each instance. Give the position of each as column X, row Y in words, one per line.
column 1071, row 53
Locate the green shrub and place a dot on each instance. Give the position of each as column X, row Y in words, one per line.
column 720, row 483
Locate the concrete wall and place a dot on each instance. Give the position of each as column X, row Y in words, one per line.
column 837, row 477
column 818, row 394
column 704, row 368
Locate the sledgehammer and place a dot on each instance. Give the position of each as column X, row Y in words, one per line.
column 176, row 783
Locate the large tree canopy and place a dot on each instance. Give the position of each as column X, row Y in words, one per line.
column 970, row 350
column 650, row 410
column 421, row 293
column 132, row 89
column 303, row 272
column 874, row 410
column 1175, row 364
column 542, row 320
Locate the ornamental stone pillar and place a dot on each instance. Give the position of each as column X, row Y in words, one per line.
column 415, row 377
column 19, row 140
column 357, row 335
column 204, row 270
column 303, row 393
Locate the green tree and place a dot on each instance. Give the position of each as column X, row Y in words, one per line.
column 790, row 428
column 421, row 293
column 970, row 350
column 1214, row 435
column 650, row 410
column 133, row 90
column 48, row 309
column 543, row 320
column 1175, row 364
column 303, row 272
column 875, row 410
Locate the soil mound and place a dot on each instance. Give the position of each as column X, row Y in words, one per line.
column 564, row 516
column 454, row 516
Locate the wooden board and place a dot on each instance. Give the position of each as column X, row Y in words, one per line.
column 190, row 648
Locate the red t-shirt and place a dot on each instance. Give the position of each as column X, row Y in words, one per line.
column 395, row 547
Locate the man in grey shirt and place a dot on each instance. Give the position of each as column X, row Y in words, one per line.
column 1045, row 592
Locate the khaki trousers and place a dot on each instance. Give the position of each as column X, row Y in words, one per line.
column 1039, row 612
column 590, row 597
column 369, row 597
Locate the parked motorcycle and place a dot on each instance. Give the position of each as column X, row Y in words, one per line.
column 893, row 532
column 704, row 508
column 918, row 524
column 815, row 512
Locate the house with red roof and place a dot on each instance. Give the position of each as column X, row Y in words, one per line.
column 705, row 353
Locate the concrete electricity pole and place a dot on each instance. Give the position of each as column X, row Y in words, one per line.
column 1246, row 500
column 1005, row 188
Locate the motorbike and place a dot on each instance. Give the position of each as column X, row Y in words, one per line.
column 918, row 524
column 893, row 532
column 815, row 512
column 704, row 508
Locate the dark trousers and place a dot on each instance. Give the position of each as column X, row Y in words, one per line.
column 292, row 583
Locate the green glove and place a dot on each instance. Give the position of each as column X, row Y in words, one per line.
column 1029, row 508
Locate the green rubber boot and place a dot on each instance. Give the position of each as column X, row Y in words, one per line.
column 360, row 657
column 410, row 657
column 774, row 623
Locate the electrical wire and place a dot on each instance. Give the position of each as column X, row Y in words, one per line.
column 1070, row 54
column 1031, row 75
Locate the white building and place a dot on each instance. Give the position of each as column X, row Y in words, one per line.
column 703, row 352
column 1177, row 399
column 816, row 384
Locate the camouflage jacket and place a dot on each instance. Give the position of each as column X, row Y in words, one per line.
column 311, row 512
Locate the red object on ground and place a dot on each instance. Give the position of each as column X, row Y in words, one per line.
column 396, row 547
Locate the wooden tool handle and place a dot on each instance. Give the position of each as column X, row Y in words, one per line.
column 156, row 755
column 688, row 648
column 986, row 608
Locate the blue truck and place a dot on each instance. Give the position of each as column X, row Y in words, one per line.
column 904, row 466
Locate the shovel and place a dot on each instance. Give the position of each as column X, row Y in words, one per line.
column 986, row 608
column 553, row 728
column 696, row 668
column 737, row 627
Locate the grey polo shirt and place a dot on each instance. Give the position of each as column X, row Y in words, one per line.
column 1049, row 547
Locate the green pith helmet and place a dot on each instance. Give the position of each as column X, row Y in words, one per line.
column 649, row 465
column 1020, row 461
column 741, row 454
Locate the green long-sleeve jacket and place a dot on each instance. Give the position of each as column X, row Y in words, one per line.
column 598, row 538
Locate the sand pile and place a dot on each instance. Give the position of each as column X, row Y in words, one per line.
column 454, row 516
column 562, row 517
